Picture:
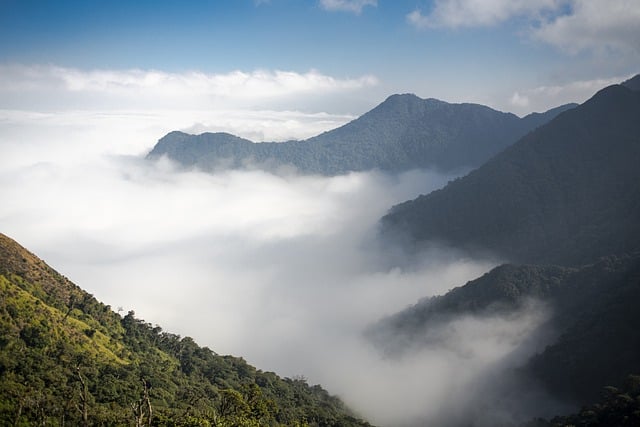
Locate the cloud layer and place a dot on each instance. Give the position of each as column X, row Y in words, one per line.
column 280, row 269
column 58, row 87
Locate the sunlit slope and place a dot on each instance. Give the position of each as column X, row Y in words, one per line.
column 65, row 357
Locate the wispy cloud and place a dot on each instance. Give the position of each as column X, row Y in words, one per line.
column 473, row 13
column 260, row 105
column 158, row 88
column 354, row 6
column 571, row 25
column 542, row 98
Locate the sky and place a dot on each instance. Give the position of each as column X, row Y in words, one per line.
column 331, row 56
column 283, row 270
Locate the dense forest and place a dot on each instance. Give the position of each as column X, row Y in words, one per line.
column 67, row 359
column 567, row 193
column 404, row 132
column 593, row 310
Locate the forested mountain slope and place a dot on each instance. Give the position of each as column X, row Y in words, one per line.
column 567, row 193
column 594, row 319
column 404, row 132
column 67, row 359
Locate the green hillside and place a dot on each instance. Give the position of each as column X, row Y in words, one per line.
column 67, row 359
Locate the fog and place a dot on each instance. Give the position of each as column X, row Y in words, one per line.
column 283, row 270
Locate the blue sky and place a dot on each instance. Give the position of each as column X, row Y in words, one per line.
column 517, row 55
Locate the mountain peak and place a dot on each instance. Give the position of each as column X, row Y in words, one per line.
column 541, row 200
column 400, row 96
column 401, row 133
column 409, row 99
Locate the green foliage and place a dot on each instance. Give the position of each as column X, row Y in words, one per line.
column 618, row 407
column 66, row 359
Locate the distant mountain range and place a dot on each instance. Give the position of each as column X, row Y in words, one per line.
column 567, row 193
column 404, row 132
column 67, row 359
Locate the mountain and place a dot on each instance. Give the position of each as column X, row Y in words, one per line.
column 567, row 198
column 404, row 132
column 67, row 359
column 567, row 193
column 591, row 336
column 633, row 83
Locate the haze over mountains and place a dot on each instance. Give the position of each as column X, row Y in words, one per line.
column 566, row 194
column 404, row 132
column 520, row 341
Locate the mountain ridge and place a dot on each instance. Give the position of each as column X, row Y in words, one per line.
column 589, row 305
column 67, row 359
column 401, row 133
column 566, row 193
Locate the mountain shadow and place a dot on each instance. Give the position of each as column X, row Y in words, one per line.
column 567, row 193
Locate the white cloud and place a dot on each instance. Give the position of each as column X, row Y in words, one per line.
column 571, row 25
column 595, row 25
column 281, row 270
column 277, row 269
column 519, row 100
column 542, row 98
column 478, row 13
column 21, row 84
column 354, row 6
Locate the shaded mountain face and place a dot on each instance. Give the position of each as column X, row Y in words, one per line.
column 567, row 193
column 65, row 358
column 633, row 83
column 404, row 132
column 590, row 339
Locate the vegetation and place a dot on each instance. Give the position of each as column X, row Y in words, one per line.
column 67, row 359
column 618, row 407
column 594, row 313
column 566, row 193
column 404, row 132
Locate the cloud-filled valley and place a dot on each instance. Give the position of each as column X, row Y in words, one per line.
column 284, row 270
column 320, row 212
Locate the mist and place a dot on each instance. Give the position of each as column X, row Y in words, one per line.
column 283, row 270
